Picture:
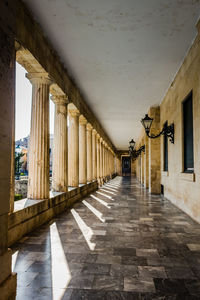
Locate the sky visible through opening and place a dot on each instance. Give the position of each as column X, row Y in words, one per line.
column 23, row 105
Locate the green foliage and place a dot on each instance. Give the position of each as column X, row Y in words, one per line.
column 18, row 162
column 18, row 197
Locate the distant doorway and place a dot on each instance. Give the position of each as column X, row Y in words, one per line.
column 126, row 166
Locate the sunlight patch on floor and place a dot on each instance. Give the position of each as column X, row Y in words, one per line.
column 94, row 210
column 14, row 260
column 60, row 271
column 110, row 188
column 101, row 201
column 109, row 197
column 86, row 230
column 106, row 191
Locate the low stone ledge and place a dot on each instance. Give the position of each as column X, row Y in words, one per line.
column 187, row 176
column 25, row 220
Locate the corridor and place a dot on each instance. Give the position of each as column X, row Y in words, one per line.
column 118, row 243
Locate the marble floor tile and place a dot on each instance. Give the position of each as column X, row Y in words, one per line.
column 151, row 272
column 142, row 247
column 137, row 284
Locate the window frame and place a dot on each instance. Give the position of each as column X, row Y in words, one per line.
column 165, row 147
column 185, row 169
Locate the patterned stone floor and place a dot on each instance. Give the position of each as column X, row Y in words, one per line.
column 118, row 243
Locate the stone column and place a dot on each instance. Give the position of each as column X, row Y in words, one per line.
column 101, row 160
column 60, row 147
column 106, row 161
column 110, row 171
column 38, row 181
column 7, row 121
column 82, row 150
column 98, row 158
column 89, row 153
column 154, row 153
column 73, row 146
column 94, row 154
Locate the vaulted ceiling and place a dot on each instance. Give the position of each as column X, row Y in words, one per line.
column 123, row 54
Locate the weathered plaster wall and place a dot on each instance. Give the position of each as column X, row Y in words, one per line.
column 181, row 188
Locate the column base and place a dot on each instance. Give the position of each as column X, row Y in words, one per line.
column 99, row 182
column 8, row 287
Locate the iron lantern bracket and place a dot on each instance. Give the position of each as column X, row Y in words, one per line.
column 167, row 131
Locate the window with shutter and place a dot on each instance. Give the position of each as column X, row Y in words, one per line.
column 188, row 134
column 165, row 146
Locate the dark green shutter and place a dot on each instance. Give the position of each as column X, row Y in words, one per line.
column 188, row 134
column 165, row 140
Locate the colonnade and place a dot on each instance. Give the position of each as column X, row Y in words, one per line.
column 80, row 154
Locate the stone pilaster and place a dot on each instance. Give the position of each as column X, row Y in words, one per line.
column 60, row 147
column 146, row 163
column 38, row 181
column 89, row 153
column 73, row 146
column 94, row 154
column 98, row 158
column 142, row 165
column 154, row 153
column 82, row 150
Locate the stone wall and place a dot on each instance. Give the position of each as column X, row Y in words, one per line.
column 182, row 189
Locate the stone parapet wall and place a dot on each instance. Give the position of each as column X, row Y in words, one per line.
column 37, row 212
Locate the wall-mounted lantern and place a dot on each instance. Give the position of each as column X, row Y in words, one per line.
column 133, row 152
column 167, row 130
column 132, row 143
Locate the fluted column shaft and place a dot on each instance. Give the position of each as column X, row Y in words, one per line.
column 82, row 150
column 38, row 182
column 73, row 148
column 94, row 154
column 98, row 157
column 106, row 161
column 89, row 153
column 60, row 149
column 101, row 160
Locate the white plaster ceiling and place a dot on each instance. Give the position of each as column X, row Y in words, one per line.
column 123, row 54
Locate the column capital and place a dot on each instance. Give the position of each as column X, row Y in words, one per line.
column 94, row 132
column 36, row 78
column 98, row 136
column 74, row 112
column 101, row 140
column 82, row 120
column 60, row 99
column 89, row 127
